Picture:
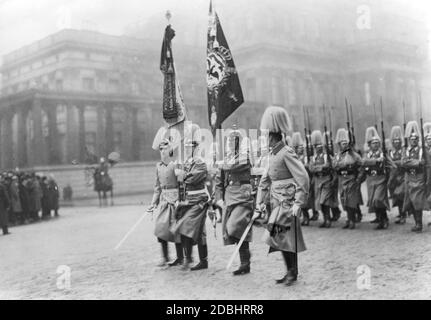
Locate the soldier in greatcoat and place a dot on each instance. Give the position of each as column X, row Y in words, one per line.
column 324, row 188
column 288, row 184
column 415, row 179
column 191, row 213
column 234, row 192
column 396, row 184
column 376, row 167
column 163, row 204
column 347, row 163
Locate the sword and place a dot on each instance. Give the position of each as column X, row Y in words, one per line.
column 238, row 246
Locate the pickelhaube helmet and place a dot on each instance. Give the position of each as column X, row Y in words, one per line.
column 371, row 135
column 316, row 138
column 342, row 135
column 276, row 120
column 412, row 130
column 297, row 140
column 396, row 133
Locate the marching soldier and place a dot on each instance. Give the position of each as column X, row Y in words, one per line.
column 427, row 135
column 347, row 163
column 298, row 147
column 287, row 182
column 234, row 191
column 320, row 168
column 413, row 163
column 191, row 213
column 374, row 164
column 335, row 210
column 396, row 183
column 164, row 198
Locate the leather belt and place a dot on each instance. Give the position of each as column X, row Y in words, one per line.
column 194, row 192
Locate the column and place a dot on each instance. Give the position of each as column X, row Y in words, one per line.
column 109, row 130
column 100, row 132
column 135, row 134
column 6, row 139
column 38, row 145
column 72, row 133
column 81, row 132
column 127, row 134
column 53, row 143
column 22, row 112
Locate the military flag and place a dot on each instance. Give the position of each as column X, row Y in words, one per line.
column 224, row 89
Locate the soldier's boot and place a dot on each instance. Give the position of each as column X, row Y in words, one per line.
column 203, row 258
column 352, row 219
column 306, row 219
column 358, row 215
column 187, row 245
column 315, row 216
column 379, row 218
column 386, row 219
column 402, row 217
column 244, row 256
column 5, row 230
column 287, row 262
column 180, row 256
column 292, row 273
column 165, row 255
column 418, row 220
column 336, row 214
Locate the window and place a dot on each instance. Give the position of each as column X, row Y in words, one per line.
column 117, row 141
column 88, row 84
column 59, row 85
column 114, row 85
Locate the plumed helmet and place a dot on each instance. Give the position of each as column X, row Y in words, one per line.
column 276, row 120
column 297, row 140
column 316, row 138
column 342, row 135
column 427, row 129
column 396, row 133
column 371, row 135
column 412, row 130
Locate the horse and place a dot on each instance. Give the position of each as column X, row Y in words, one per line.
column 103, row 184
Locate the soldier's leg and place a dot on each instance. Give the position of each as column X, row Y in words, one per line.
column 315, row 216
column 402, row 215
column 358, row 214
column 165, row 255
column 244, row 256
column 336, row 213
column 306, row 219
column 418, row 219
column 187, row 245
column 203, row 257
column 326, row 217
column 180, row 255
column 292, row 274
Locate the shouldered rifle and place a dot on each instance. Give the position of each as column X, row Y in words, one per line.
column 353, row 126
column 406, row 145
column 424, row 150
column 307, row 143
column 328, row 153
column 384, row 150
column 348, row 124
column 330, row 132
column 309, row 137
column 375, row 117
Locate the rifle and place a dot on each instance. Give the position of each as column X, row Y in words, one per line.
column 330, row 132
column 353, row 128
column 348, row 124
column 375, row 118
column 307, row 146
column 404, row 127
column 309, row 136
column 325, row 129
column 424, row 150
column 384, row 150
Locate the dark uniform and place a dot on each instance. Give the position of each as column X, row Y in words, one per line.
column 378, row 202
column 396, row 183
column 234, row 188
column 4, row 205
column 347, row 163
column 191, row 214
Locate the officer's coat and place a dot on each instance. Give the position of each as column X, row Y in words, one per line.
column 396, row 183
column 325, row 187
column 192, row 215
column 376, row 182
column 347, row 165
column 415, row 195
column 238, row 198
column 164, row 198
column 284, row 169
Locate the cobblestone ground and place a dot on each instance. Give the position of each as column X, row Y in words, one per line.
column 84, row 238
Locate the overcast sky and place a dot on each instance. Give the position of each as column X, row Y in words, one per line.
column 25, row 21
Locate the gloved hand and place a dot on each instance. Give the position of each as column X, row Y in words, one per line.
column 256, row 215
column 151, row 208
column 296, row 210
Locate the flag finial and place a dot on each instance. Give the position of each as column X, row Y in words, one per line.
column 168, row 16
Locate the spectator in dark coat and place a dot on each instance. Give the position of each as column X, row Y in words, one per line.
column 4, row 206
